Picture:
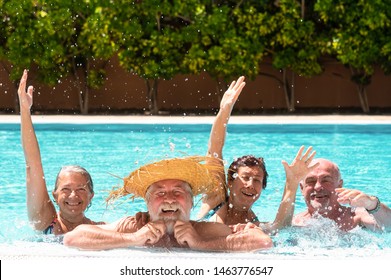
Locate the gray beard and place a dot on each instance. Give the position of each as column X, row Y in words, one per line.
column 320, row 208
column 170, row 226
column 170, row 221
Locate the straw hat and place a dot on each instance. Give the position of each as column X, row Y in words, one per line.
column 207, row 178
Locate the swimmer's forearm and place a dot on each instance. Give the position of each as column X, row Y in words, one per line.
column 29, row 139
column 218, row 132
column 250, row 240
column 90, row 237
column 383, row 217
column 286, row 209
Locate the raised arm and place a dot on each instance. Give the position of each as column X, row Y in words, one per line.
column 41, row 211
column 380, row 212
column 217, row 136
column 219, row 127
column 294, row 172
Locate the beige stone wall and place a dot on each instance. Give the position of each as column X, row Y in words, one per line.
column 123, row 91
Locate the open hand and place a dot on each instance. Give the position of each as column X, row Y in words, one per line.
column 232, row 94
column 356, row 198
column 25, row 98
column 300, row 165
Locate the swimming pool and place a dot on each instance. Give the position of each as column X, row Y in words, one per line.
column 363, row 152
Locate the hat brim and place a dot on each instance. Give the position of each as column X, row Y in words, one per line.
column 202, row 178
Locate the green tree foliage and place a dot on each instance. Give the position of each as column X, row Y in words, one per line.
column 153, row 39
column 3, row 30
column 294, row 44
column 158, row 39
column 4, row 34
column 54, row 38
column 226, row 41
column 359, row 37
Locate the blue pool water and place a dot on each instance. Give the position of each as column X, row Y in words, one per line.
column 363, row 153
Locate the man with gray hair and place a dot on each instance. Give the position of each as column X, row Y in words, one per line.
column 324, row 195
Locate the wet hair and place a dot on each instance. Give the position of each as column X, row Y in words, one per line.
column 247, row 160
column 76, row 169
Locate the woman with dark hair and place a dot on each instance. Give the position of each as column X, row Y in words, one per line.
column 73, row 190
column 247, row 177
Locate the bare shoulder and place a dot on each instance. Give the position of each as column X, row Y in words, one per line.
column 221, row 214
column 127, row 224
column 211, row 229
column 299, row 219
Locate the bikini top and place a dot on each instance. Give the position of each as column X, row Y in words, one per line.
column 50, row 228
column 212, row 212
column 217, row 208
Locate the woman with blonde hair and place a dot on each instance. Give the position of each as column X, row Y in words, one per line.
column 73, row 190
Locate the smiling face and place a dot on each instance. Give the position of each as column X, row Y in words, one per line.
column 72, row 193
column 318, row 187
column 169, row 200
column 246, row 187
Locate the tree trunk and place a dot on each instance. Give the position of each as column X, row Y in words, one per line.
column 362, row 94
column 152, row 86
column 82, row 90
column 362, row 80
column 289, row 90
column 16, row 99
column 16, row 85
column 85, row 108
column 85, row 105
column 287, row 87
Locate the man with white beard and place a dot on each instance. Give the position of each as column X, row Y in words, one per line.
column 168, row 187
column 323, row 193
